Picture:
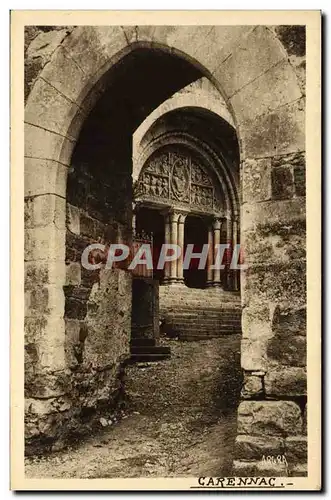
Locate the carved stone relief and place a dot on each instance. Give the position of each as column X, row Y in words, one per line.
column 176, row 176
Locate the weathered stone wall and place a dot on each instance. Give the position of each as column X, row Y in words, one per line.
column 39, row 44
column 264, row 87
column 272, row 420
column 94, row 206
column 97, row 314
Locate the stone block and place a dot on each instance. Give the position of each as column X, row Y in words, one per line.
column 270, row 418
column 39, row 300
column 65, row 75
column 31, row 429
column 44, row 210
column 75, row 308
column 72, row 329
column 256, row 180
column 272, row 212
column 51, row 345
column 92, row 49
column 277, row 282
column 270, row 469
column 46, row 299
column 44, row 243
column 288, row 350
column 278, row 132
column 49, row 109
column 299, row 173
column 247, row 61
column 252, row 386
column 254, row 447
column 255, row 320
column 290, row 321
column 73, row 274
column 87, row 226
column 252, row 100
column 38, row 273
column 282, row 183
column 44, row 176
column 45, row 43
column 75, row 246
column 72, row 341
column 286, row 381
column 296, row 449
column 296, row 159
column 44, row 145
column 258, row 248
column 39, row 407
column 275, row 241
column 45, row 385
column 305, row 420
column 254, row 354
column 298, row 470
column 208, row 44
column 242, row 468
column 73, row 219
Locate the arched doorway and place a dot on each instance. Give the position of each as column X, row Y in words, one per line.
column 271, row 132
column 195, row 234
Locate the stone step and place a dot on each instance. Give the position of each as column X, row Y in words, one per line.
column 204, row 317
column 206, row 304
column 150, row 350
column 142, row 342
column 149, row 357
column 203, row 321
column 197, row 337
column 215, row 332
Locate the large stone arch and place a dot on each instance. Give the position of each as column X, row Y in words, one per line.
column 250, row 67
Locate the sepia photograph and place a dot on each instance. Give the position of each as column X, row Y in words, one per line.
column 168, row 168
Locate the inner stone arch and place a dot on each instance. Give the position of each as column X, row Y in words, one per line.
column 186, row 176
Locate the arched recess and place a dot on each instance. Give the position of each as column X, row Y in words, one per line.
column 250, row 68
column 203, row 131
column 201, row 94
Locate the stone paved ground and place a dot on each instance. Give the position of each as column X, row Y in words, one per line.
column 180, row 420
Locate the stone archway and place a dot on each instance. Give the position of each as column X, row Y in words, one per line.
column 251, row 68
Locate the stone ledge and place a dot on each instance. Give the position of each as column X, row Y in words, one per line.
column 254, row 447
column 296, row 449
column 269, row 418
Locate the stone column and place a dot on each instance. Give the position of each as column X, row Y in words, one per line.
column 180, row 242
column 229, row 240
column 167, row 241
column 217, row 241
column 235, row 272
column 134, row 221
column 174, row 217
column 210, row 260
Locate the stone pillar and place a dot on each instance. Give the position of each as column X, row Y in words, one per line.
column 217, row 241
column 134, row 221
column 235, row 272
column 229, row 240
column 210, row 260
column 174, row 217
column 180, row 242
column 167, row 241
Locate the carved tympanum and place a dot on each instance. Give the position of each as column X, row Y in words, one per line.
column 173, row 175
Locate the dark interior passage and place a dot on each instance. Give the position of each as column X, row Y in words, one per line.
column 196, row 233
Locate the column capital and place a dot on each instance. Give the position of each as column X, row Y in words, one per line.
column 136, row 206
column 217, row 223
column 174, row 216
column 182, row 217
